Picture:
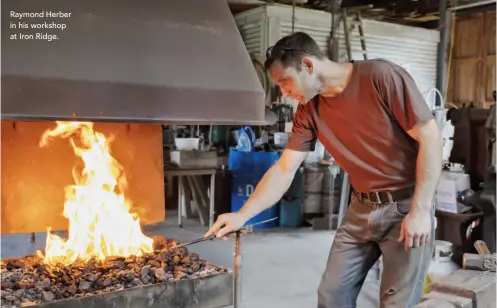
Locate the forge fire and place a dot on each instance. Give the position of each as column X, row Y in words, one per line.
column 100, row 222
column 28, row 281
column 105, row 249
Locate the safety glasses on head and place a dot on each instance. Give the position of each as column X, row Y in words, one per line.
column 277, row 52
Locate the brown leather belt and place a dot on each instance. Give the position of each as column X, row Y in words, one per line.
column 386, row 197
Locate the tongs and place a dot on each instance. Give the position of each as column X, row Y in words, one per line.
column 243, row 230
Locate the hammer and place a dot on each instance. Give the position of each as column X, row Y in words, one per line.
column 483, row 261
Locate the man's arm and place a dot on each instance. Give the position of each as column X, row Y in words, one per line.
column 408, row 106
column 273, row 184
column 429, row 164
column 270, row 189
column 276, row 180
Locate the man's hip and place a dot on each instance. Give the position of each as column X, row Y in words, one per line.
column 369, row 230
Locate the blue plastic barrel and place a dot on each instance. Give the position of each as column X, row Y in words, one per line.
column 291, row 213
column 247, row 169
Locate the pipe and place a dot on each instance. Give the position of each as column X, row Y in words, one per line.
column 237, row 271
column 443, row 46
column 472, row 5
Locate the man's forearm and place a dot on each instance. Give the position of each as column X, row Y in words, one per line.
column 268, row 192
column 428, row 170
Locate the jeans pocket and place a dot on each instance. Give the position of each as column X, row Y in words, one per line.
column 402, row 207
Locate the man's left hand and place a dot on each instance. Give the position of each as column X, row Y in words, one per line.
column 415, row 229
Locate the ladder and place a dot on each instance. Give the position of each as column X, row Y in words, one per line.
column 355, row 21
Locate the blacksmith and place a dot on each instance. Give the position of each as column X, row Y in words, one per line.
column 373, row 120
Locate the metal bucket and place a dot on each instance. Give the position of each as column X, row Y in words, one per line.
column 313, row 180
column 313, row 203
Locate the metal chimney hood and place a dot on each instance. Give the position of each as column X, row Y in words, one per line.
column 158, row 61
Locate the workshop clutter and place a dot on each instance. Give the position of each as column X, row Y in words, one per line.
column 450, row 186
column 291, row 204
column 473, row 286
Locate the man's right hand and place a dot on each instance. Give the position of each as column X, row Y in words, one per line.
column 226, row 223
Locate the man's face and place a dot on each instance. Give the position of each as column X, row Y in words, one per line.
column 296, row 84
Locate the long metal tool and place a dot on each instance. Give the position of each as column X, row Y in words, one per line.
column 237, row 254
column 243, row 230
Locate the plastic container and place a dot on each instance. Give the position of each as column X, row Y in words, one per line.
column 242, row 187
column 247, row 169
column 313, row 180
column 296, row 189
column 246, row 139
column 290, row 212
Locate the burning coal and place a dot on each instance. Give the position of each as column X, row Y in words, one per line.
column 28, row 281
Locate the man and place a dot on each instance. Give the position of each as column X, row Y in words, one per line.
column 375, row 123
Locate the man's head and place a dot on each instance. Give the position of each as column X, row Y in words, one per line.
column 291, row 64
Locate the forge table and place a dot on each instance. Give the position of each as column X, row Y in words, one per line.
column 194, row 185
column 213, row 291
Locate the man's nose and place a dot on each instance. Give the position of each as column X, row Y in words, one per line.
column 285, row 92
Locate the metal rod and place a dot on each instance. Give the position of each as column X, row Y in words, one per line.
column 443, row 49
column 472, row 5
column 237, row 272
column 195, row 241
column 212, row 199
column 344, row 199
column 180, row 203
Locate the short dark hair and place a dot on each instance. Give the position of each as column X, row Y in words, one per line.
column 290, row 50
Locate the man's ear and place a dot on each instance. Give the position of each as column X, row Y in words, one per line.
column 308, row 65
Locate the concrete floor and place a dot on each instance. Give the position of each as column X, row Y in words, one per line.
column 281, row 268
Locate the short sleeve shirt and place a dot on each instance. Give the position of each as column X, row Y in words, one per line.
column 365, row 127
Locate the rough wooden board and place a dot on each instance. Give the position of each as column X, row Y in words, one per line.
column 33, row 178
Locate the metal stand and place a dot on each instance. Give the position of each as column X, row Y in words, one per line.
column 344, row 199
column 237, row 271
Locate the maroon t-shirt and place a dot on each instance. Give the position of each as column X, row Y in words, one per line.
column 365, row 127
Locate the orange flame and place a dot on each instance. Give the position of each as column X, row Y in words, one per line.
column 100, row 221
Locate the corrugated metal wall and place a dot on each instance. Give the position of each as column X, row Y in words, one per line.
column 413, row 48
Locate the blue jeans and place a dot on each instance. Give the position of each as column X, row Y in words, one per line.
column 368, row 231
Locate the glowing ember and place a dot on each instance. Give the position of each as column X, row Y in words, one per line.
column 100, row 222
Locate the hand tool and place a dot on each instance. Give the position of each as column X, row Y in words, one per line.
column 483, row 261
column 481, row 247
column 243, row 230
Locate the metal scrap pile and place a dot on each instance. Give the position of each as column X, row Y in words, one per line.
column 27, row 281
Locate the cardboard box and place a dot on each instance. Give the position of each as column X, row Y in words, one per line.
column 450, row 186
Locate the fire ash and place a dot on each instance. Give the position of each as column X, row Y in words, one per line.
column 100, row 221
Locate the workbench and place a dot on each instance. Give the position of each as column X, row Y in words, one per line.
column 189, row 182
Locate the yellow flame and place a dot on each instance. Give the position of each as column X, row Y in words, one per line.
column 100, row 221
